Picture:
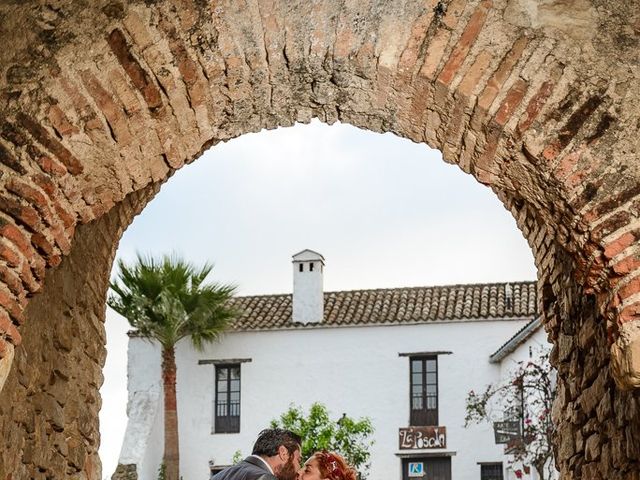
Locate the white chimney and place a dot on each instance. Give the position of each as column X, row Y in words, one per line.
column 308, row 295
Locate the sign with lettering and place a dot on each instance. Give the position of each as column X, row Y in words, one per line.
column 505, row 432
column 415, row 438
column 416, row 469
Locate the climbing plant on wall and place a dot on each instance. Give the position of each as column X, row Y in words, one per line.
column 524, row 399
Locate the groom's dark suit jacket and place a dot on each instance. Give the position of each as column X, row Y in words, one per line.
column 251, row 468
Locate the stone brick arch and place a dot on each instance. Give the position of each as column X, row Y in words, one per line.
column 101, row 103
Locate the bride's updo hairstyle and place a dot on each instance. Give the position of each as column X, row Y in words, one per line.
column 334, row 467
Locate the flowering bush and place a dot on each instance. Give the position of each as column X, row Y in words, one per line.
column 526, row 396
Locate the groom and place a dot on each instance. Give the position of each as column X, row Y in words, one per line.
column 275, row 456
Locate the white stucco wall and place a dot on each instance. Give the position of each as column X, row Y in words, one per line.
column 143, row 442
column 353, row 370
column 537, row 343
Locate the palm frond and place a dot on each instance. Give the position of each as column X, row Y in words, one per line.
column 168, row 299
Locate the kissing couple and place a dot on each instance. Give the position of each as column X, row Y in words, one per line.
column 276, row 456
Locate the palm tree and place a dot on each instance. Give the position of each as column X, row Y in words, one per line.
column 167, row 300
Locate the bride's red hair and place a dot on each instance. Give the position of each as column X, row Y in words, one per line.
column 334, row 466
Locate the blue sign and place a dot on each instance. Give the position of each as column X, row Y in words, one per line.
column 416, row 469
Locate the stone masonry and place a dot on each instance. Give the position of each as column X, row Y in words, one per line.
column 49, row 407
column 101, row 100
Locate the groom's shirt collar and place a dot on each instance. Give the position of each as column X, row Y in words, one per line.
column 263, row 461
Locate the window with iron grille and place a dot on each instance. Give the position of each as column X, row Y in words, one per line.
column 424, row 391
column 227, row 402
column 491, row 471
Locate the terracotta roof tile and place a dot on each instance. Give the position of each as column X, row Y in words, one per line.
column 395, row 306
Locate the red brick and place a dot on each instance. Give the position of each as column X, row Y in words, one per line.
column 41, row 242
column 5, row 321
column 629, row 289
column 15, row 235
column 455, row 10
column 100, row 208
column 11, row 280
column 127, row 97
column 46, row 184
column 23, row 214
column 41, row 134
column 51, row 165
column 54, row 260
column 627, row 265
column 551, row 151
column 85, row 111
column 139, row 77
column 4, row 346
column 38, row 265
column 14, row 335
column 63, row 241
column 409, row 56
column 28, row 280
column 12, row 134
column 511, row 101
column 186, row 65
column 573, row 124
column 26, row 191
column 9, row 255
column 616, row 246
column 11, row 161
column 12, row 306
column 9, row 329
column 34, row 197
column 67, row 216
column 567, row 164
column 477, row 70
column 575, row 179
column 535, row 105
column 68, row 219
column 610, row 225
column 464, row 44
column 434, row 55
column 578, row 118
column 630, row 313
column 190, row 74
column 616, row 200
column 502, row 73
column 60, row 122
column 113, row 113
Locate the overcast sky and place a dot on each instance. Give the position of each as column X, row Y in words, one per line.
column 383, row 211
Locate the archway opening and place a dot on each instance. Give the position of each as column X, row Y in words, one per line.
column 536, row 103
column 387, row 213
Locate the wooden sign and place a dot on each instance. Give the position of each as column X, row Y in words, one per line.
column 506, row 431
column 418, row 438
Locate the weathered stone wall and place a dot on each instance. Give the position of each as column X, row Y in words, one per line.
column 597, row 428
column 125, row 472
column 49, row 408
column 598, row 431
column 538, row 100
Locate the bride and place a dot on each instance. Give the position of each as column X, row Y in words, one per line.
column 326, row 466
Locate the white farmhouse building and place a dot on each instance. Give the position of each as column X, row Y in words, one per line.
column 404, row 357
